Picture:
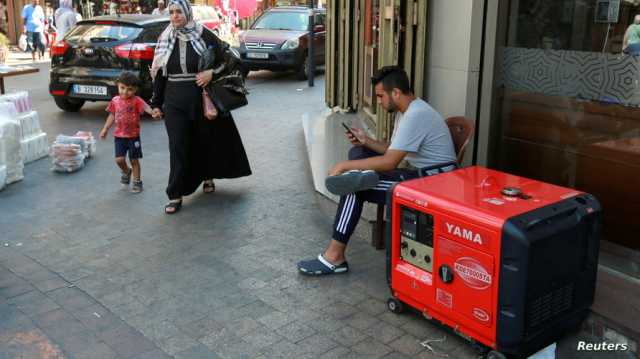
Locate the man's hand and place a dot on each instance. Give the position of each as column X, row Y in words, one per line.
column 103, row 134
column 156, row 113
column 358, row 138
column 339, row 168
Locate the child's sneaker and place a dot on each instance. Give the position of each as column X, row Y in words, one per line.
column 351, row 182
column 137, row 187
column 125, row 179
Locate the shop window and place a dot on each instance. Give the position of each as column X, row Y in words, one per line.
column 567, row 107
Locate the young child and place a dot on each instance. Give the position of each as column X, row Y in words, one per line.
column 125, row 111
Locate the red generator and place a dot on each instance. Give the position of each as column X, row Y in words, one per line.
column 508, row 263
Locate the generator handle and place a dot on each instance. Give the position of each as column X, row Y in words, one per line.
column 424, row 171
column 564, row 213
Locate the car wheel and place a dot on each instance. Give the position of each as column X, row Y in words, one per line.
column 68, row 105
column 303, row 69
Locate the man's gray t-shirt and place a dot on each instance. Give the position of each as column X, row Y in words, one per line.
column 422, row 132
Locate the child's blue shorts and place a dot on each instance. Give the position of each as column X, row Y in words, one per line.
column 131, row 145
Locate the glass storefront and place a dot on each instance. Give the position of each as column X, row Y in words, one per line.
column 567, row 107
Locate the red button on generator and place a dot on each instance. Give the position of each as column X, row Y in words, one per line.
column 508, row 262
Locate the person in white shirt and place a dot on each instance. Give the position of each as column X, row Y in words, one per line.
column 161, row 9
column 33, row 17
column 65, row 18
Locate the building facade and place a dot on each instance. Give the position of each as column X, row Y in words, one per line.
column 552, row 94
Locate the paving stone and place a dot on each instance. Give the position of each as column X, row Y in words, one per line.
column 176, row 343
column 97, row 318
column 40, row 276
column 372, row 306
column 286, row 350
column 295, row 331
column 407, row 344
column 347, row 336
column 362, row 321
column 317, row 344
column 218, row 339
column 239, row 350
column 71, row 298
column 326, row 324
column 339, row 310
column 51, row 284
column 397, row 320
column 420, row 328
column 158, row 330
column 98, row 351
column 154, row 354
column 396, row 355
column 74, row 342
column 198, row 351
column 126, row 341
column 277, row 319
column 336, row 353
column 243, row 326
column 201, row 327
column 15, row 289
column 33, row 303
column 58, row 320
column 262, row 337
column 371, row 348
column 384, row 332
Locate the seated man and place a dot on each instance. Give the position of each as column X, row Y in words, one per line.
column 420, row 138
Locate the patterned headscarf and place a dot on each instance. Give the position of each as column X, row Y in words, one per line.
column 191, row 32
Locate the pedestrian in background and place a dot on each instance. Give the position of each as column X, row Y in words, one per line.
column 33, row 17
column 199, row 149
column 161, row 9
column 65, row 18
column 125, row 110
column 631, row 41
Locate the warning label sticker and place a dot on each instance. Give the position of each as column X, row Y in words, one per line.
column 411, row 271
column 445, row 298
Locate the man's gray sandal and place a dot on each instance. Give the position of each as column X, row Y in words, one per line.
column 320, row 266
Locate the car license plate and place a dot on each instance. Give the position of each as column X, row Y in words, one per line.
column 257, row 55
column 90, row 90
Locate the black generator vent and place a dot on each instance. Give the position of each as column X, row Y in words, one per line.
column 545, row 308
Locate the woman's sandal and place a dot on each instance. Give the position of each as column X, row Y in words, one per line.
column 172, row 207
column 208, row 187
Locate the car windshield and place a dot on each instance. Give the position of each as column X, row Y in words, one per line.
column 277, row 20
column 102, row 32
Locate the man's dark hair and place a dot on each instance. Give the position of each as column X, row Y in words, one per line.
column 128, row 79
column 392, row 77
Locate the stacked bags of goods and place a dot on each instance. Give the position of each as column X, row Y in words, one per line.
column 11, row 162
column 68, row 153
column 32, row 140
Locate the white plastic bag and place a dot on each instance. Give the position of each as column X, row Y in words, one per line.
column 66, row 157
column 22, row 42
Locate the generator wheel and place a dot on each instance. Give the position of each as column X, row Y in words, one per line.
column 495, row 355
column 395, row 306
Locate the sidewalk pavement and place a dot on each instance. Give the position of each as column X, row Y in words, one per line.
column 90, row 271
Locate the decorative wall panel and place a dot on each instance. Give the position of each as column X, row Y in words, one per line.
column 577, row 74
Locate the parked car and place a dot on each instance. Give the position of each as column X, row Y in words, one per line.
column 208, row 17
column 87, row 61
column 278, row 40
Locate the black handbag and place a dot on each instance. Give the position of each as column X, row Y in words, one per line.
column 225, row 99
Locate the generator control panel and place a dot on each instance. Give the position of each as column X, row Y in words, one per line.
column 416, row 238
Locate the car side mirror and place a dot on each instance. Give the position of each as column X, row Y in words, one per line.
column 318, row 28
